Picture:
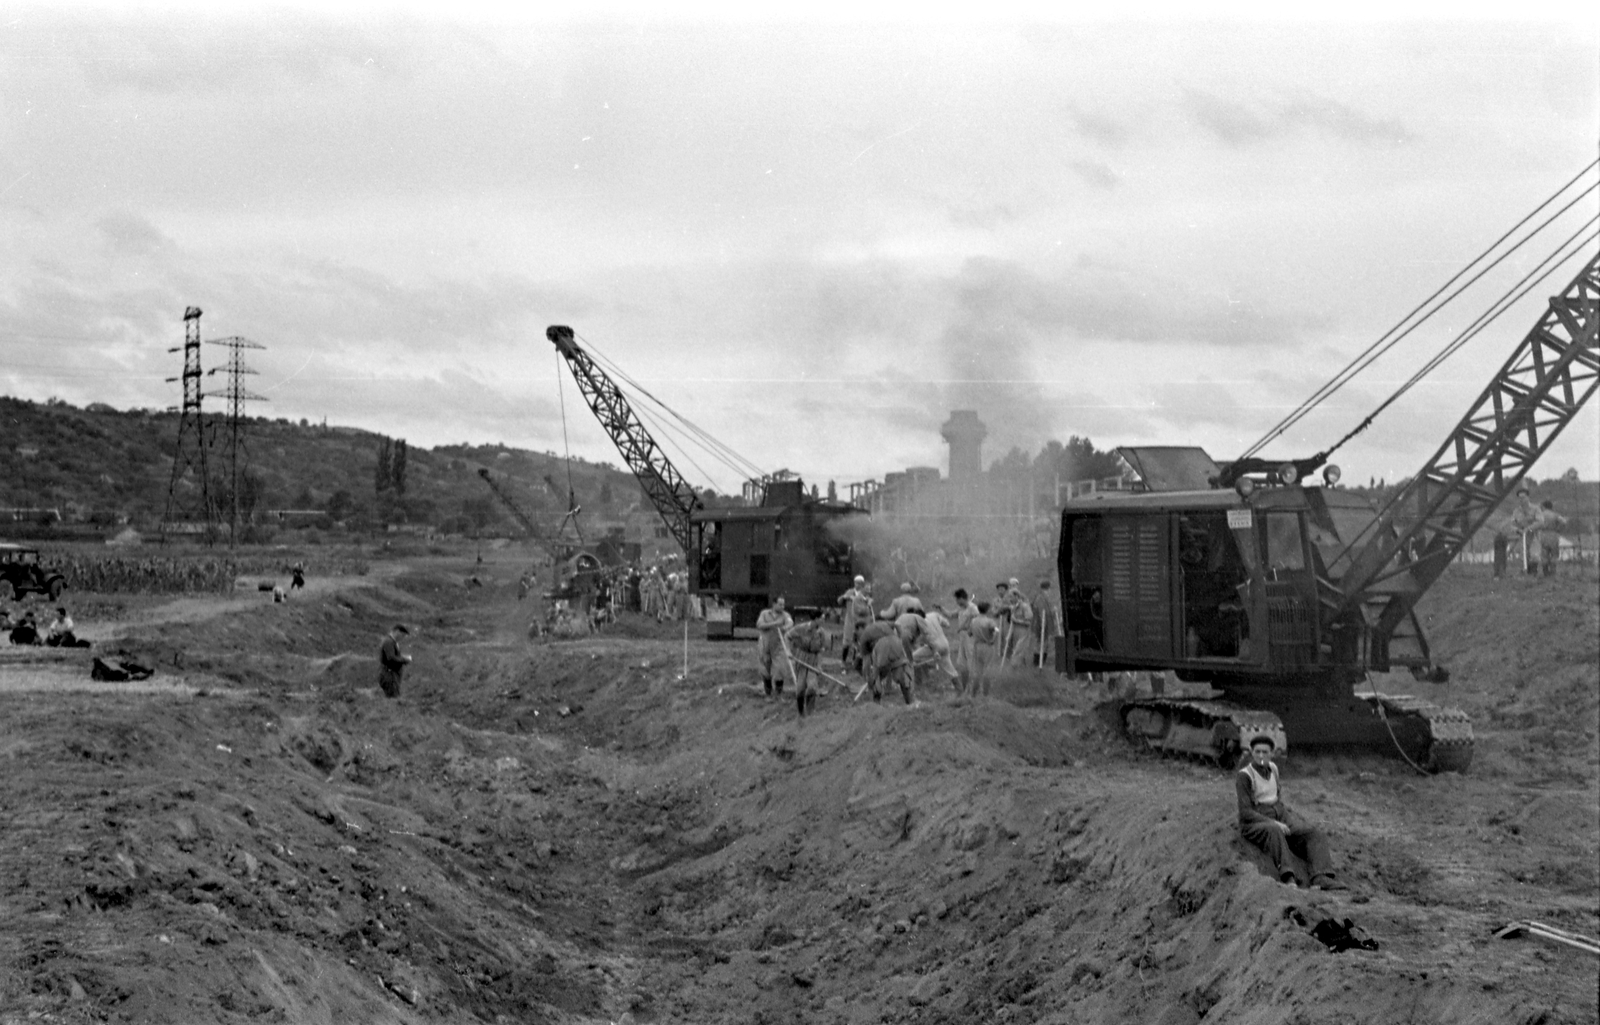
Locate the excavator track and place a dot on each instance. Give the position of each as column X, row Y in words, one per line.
column 1448, row 730
column 1216, row 731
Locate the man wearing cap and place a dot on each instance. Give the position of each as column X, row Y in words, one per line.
column 904, row 602
column 391, row 662
column 1269, row 824
column 858, row 612
column 1525, row 521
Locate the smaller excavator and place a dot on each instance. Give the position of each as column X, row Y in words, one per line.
column 578, row 568
column 739, row 558
column 1286, row 594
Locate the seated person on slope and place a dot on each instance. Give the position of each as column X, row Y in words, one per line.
column 1267, row 822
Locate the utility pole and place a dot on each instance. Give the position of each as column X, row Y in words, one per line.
column 190, row 506
column 237, row 458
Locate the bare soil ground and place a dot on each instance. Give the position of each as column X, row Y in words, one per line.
column 574, row 832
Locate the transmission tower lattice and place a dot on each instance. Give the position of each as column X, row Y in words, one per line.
column 189, row 509
column 234, row 453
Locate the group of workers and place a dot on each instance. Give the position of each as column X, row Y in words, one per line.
column 907, row 645
column 1538, row 530
column 24, row 629
column 664, row 596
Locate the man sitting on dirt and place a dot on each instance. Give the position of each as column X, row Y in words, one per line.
column 59, row 634
column 391, row 662
column 1269, row 824
column 770, row 626
column 25, row 632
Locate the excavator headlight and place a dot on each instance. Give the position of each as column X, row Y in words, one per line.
column 1330, row 475
column 1244, row 485
column 1288, row 474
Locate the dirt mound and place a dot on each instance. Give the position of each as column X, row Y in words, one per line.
column 583, row 831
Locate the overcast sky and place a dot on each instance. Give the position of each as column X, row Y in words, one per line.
column 814, row 238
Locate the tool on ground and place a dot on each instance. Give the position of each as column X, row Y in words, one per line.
column 1548, row 932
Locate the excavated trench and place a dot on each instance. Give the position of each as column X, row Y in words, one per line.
column 576, row 831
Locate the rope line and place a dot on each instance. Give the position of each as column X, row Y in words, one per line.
column 1528, row 284
column 680, row 425
column 1399, row 330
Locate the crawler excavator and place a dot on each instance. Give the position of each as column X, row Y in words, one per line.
column 1285, row 594
column 738, row 558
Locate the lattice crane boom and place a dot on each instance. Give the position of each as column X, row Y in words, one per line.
column 505, row 500
column 1540, row 389
column 672, row 496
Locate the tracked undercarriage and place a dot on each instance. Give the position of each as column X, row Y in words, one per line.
column 1217, row 731
column 1434, row 738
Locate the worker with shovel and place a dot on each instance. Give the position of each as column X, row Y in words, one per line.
column 770, row 628
column 803, row 645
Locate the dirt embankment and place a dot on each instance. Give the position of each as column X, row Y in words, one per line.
column 569, row 832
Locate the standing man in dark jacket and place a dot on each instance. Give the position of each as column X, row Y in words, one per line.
column 391, row 662
column 1269, row 824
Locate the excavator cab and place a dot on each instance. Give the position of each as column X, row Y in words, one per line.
column 1238, row 587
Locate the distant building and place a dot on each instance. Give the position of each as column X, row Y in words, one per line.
column 965, row 433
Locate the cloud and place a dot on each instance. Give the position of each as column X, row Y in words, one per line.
column 178, row 55
column 1098, row 127
column 989, row 216
column 1238, row 125
column 132, row 235
column 1094, row 173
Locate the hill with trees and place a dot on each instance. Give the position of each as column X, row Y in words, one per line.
column 108, row 468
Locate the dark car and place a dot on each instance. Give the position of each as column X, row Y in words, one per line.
column 21, row 574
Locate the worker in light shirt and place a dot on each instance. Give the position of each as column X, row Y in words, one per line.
column 1271, row 825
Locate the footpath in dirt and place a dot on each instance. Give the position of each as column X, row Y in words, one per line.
column 577, row 831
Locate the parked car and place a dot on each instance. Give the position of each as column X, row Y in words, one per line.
column 21, row 573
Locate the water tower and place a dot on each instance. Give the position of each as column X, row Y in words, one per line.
column 965, row 433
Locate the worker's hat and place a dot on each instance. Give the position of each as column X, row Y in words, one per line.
column 860, row 579
column 906, row 587
column 1523, row 490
